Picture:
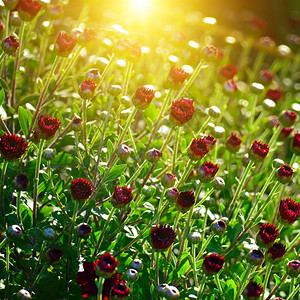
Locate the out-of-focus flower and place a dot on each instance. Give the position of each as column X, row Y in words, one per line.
column 182, row 111
column 86, row 279
column 296, row 144
column 210, row 52
column 84, row 230
column 128, row 49
column 76, row 124
column 47, row 126
column 122, row 196
column 10, row 45
column 94, row 75
column 185, row 201
column 230, row 87
column 143, row 97
column 12, row 146
column 253, row 290
column 213, row 263
column 64, row 44
column 14, row 19
column 87, row 36
column 289, row 211
column 119, row 290
column 255, row 257
column 168, row 180
column 176, row 77
column 14, row 231
column 233, row 143
column 28, row 9
column 10, row 4
column 288, row 118
column 87, row 89
column 285, row 132
column 211, row 141
column 257, row 24
column 258, row 151
column 267, row 234
column 162, row 237
column 274, row 94
column 266, row 77
column 228, row 72
column 53, row 256
column 55, row 11
column 22, row 182
column 81, row 189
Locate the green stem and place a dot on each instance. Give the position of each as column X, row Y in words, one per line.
column 205, row 197
column 296, row 290
column 7, row 270
column 243, row 282
column 195, row 265
column 201, row 288
column 157, row 269
column 203, row 248
column 3, row 173
column 3, row 242
column 100, row 287
column 38, row 277
column 218, row 283
column 294, row 241
column 201, row 130
column 176, row 148
column 266, row 280
column 136, row 173
column 128, row 70
column 84, row 120
column 73, row 223
column 186, row 173
column 252, row 105
column 292, row 283
column 282, row 281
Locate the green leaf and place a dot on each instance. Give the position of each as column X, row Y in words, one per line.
column 25, row 120
column 116, row 172
column 4, row 85
column 2, row 96
column 110, row 147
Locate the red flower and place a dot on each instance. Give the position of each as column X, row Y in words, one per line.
column 266, row 76
column 106, row 265
column 230, row 87
column 293, row 268
column 53, row 256
column 12, row 147
column 128, row 49
column 176, row 77
column 275, row 253
column 296, row 144
column 233, row 143
column 208, row 171
column 10, row 45
column 257, row 24
column 185, row 201
column 89, row 35
column 162, row 237
column 28, row 9
column 121, row 196
column 64, row 44
column 168, row 180
column 253, row 290
column 211, row 140
column 198, row 149
column 81, row 189
column 285, row 132
column 153, row 155
column 255, row 257
column 48, row 126
column 267, row 234
column 55, row 11
column 213, row 263
column 284, row 174
column 274, row 94
column 119, row 290
column 172, row 194
column 258, row 151
column 84, row 230
column 107, row 285
column 211, row 52
column 22, row 182
column 182, row 111
column 273, row 122
column 288, row 118
column 228, row 72
column 87, row 89
column 289, row 211
column 143, row 97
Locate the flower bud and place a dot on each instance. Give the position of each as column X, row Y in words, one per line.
column 148, row 191
column 94, row 75
column 269, row 104
column 49, row 154
column 256, row 88
column 255, row 257
column 49, row 234
column 55, row 12
column 114, row 90
column 218, row 227
column 10, row 45
column 182, row 111
column 284, row 174
column 121, row 197
column 87, row 36
column 162, row 289
column 210, row 52
column 131, row 275
column 87, row 89
column 172, row 194
column 23, row 295
column 10, row 4
column 185, row 201
column 233, row 143
column 76, row 124
column 296, row 144
column 104, row 115
column 14, row 231
column 275, row 254
column 198, row 213
column 125, row 100
column 143, row 97
column 194, row 237
column 207, row 171
column 176, row 77
column 28, row 9
column 64, row 44
column 227, row 72
column 84, row 230
column 277, row 163
column 137, row 264
column 230, row 87
column 288, row 118
column 14, row 19
column 274, row 94
column 285, row 133
column 213, row 263
column 172, row 293
column 153, row 155
column 258, row 151
column 168, row 180
column 22, row 182
column 53, row 256
column 123, row 151
column 267, row 235
column 293, row 268
column 266, row 77
column 214, row 112
column 219, row 183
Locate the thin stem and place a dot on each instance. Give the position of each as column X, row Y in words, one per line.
column 7, row 270
column 84, row 120
column 218, row 283
column 282, row 281
column 186, row 173
column 195, row 265
column 100, row 287
column 243, row 282
column 3, row 173
column 204, row 246
column 136, row 173
column 266, row 280
column 296, row 290
column 128, row 70
column 73, row 222
column 176, row 148
column 38, row 277
column 201, row 288
column 294, row 241
column 3, row 242
column 157, row 269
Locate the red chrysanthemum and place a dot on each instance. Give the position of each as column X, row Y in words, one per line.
column 288, row 118
column 275, row 253
column 284, row 174
column 266, row 76
column 64, row 44
column 230, row 87
column 233, row 143
column 12, row 146
column 273, row 122
column 106, row 265
column 177, row 76
column 153, row 155
column 228, row 72
column 48, row 126
column 293, row 268
column 89, row 35
column 162, row 237
column 253, row 290
column 185, row 201
column 211, row 140
column 119, row 290
column 296, row 144
column 211, row 52
column 208, row 171
column 87, row 89
column 285, row 132
column 122, row 196
column 143, row 97
column 213, row 263
column 258, row 151
column 289, row 211
column 198, row 149
column 53, row 256
column 10, row 45
column 168, row 180
column 28, row 9
column 267, row 234
column 274, row 94
column 182, row 111
column 81, row 189
column 107, row 285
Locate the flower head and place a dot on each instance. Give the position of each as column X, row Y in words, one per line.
column 168, row 180
column 12, row 146
column 274, row 94
column 266, row 76
column 289, row 211
column 218, row 226
column 293, row 268
column 255, row 257
column 267, row 234
column 228, row 72
column 185, row 201
column 211, row 52
column 10, row 45
column 119, row 290
column 211, row 141
column 47, row 126
column 53, row 256
column 22, row 182
column 84, row 230
column 153, row 155
column 10, row 4
column 253, row 290
column 176, row 77
column 296, row 144
column 198, row 149
column 258, row 151
column 94, row 75
column 182, row 111
column 123, row 151
column 86, row 279
column 275, row 253
column 81, row 189
column 121, row 196
column 88, row 35
column 288, row 118
column 143, row 97
column 76, row 124
column 87, row 89
column 106, row 265
column 64, row 44
column 284, row 174
column 257, row 24
column 285, row 132
column 213, row 263
column 233, row 143
column 28, row 9
column 230, row 87
column 55, row 11
column 172, row 194
column 208, row 171
column 162, row 237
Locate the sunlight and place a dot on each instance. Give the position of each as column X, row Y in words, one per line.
column 140, row 4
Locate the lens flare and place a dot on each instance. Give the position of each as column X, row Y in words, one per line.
column 140, row 4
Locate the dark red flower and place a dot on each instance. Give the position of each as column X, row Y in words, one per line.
column 228, row 72
column 253, row 290
column 172, row 194
column 255, row 257
column 296, row 144
column 198, row 149
column 48, row 126
column 55, row 11
column 267, row 234
column 119, row 290
column 285, row 132
column 293, row 268
column 53, row 256
column 81, row 189
column 64, row 44
column 12, row 146
column 182, row 111
column 121, row 196
column 258, row 151
column 284, row 174
column 211, row 141
column 257, row 24
column 106, row 265
column 185, row 201
column 288, row 118
column 213, row 263
column 153, row 155
column 230, row 87
column 162, row 237
column 10, row 45
column 168, row 180
column 22, row 182
column 89, row 35
column 274, row 94
column 107, row 285
column 176, row 77
column 273, row 122
column 143, row 97
column 28, row 9
column 289, row 211
column 84, row 230
column 275, row 253
column 211, row 52
column 87, row 89
column 208, row 171
column 94, row 75
column 266, row 77
column 128, row 49
column 233, row 143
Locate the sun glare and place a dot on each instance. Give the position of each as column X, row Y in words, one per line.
column 140, row 4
